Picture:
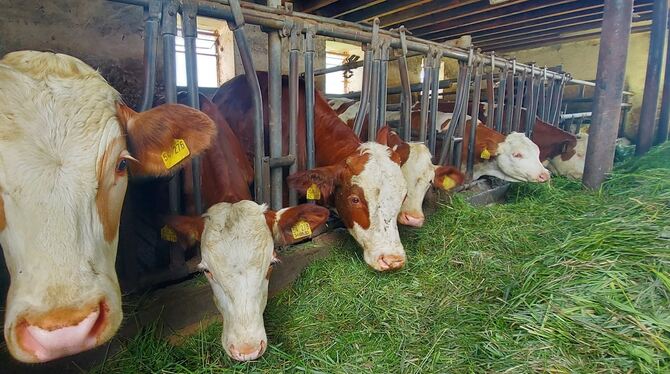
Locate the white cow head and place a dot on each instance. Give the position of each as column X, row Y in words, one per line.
column 574, row 166
column 65, row 146
column 516, row 159
column 367, row 189
column 237, row 246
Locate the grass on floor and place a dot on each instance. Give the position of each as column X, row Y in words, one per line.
column 558, row 280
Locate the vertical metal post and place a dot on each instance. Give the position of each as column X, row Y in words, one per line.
column 252, row 80
column 168, row 31
column 460, row 130
column 664, row 120
column 502, row 85
column 383, row 75
column 294, row 101
column 609, row 90
column 373, row 119
column 434, row 95
column 153, row 14
column 309, row 96
column 543, row 94
column 473, row 122
column 559, row 99
column 406, row 95
column 427, row 75
column 449, row 142
column 364, row 104
column 550, row 100
column 274, row 111
column 518, row 101
column 189, row 12
column 645, row 132
column 510, row 99
column 491, row 95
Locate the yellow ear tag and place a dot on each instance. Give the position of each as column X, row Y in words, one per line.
column 168, row 234
column 313, row 192
column 448, row 183
column 301, row 230
column 485, row 154
column 176, row 153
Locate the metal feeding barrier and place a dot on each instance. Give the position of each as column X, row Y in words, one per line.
column 510, row 87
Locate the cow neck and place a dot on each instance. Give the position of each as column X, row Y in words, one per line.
column 333, row 139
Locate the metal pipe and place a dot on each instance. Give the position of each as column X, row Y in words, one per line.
column 416, row 87
column 374, row 95
column 189, row 10
column 427, row 75
column 153, row 13
column 502, row 85
column 406, row 95
column 365, row 91
column 274, row 111
column 518, row 101
column 252, row 80
column 434, row 95
column 309, row 97
column 168, row 32
column 449, row 143
column 550, row 101
column 664, row 120
column 561, row 87
column 294, row 102
column 460, row 130
column 542, row 100
column 383, row 75
column 491, row 95
column 473, row 122
column 352, row 65
column 510, row 99
column 659, row 25
column 608, row 93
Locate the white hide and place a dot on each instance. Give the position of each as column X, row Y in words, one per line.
column 237, row 250
column 574, row 166
column 418, row 172
column 517, row 159
column 336, row 103
column 57, row 118
column 384, row 188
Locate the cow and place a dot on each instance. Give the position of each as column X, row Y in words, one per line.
column 67, row 143
column 571, row 167
column 361, row 181
column 237, row 238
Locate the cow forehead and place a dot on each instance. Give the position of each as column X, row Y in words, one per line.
column 381, row 178
column 516, row 141
column 419, row 164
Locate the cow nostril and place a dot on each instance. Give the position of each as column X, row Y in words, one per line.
column 390, row 262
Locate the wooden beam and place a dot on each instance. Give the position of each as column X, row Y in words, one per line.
column 593, row 20
column 382, row 9
column 550, row 35
column 516, row 17
column 436, row 6
column 309, row 6
column 342, row 7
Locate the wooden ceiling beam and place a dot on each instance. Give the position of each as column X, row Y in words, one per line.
column 343, row 7
column 309, row 6
column 382, row 9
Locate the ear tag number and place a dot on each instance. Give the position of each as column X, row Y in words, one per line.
column 168, row 234
column 448, row 183
column 176, row 153
column 485, row 154
column 301, row 230
column 313, row 192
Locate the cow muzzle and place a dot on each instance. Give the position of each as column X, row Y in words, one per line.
column 247, row 352
column 411, row 219
column 61, row 332
column 390, row 262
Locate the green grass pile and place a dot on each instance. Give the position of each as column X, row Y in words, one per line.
column 558, row 280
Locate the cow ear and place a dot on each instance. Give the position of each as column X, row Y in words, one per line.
column 382, row 135
column 318, row 183
column 400, row 149
column 486, row 149
column 188, row 229
column 568, row 150
column 447, row 177
column 162, row 139
column 295, row 224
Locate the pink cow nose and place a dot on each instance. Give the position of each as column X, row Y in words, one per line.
column 543, row 177
column 390, row 262
column 247, row 352
column 61, row 332
column 411, row 219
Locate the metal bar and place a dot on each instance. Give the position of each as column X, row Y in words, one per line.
column 374, row 109
column 427, row 75
column 416, row 87
column 473, row 122
column 664, row 120
column 406, row 95
column 153, row 13
column 294, row 102
column 365, row 91
column 282, row 161
column 557, row 114
column 532, row 114
column 510, row 99
column 383, row 82
column 309, row 97
column 502, row 85
column 274, row 111
column 576, row 115
column 252, row 81
column 189, row 10
column 645, row 132
column 434, row 95
column 353, row 65
column 459, row 131
column 518, row 101
column 491, row 95
column 550, row 101
column 608, row 92
column 448, row 143
column 168, row 32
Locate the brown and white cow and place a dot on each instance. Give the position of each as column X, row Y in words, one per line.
column 237, row 238
column 573, row 166
column 362, row 181
column 66, row 142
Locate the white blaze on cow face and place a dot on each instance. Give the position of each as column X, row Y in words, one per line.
column 63, row 177
column 384, row 188
column 517, row 159
column 574, row 166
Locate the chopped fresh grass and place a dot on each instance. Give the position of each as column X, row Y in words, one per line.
column 558, row 280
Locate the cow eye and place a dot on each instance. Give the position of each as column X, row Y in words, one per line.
column 122, row 166
column 517, row 155
column 354, row 199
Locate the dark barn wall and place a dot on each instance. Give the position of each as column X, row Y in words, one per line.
column 105, row 35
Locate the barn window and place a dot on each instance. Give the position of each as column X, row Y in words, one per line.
column 206, row 50
column 336, row 83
